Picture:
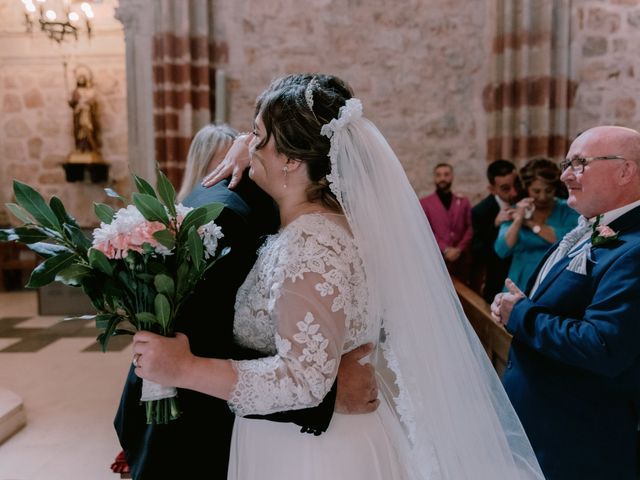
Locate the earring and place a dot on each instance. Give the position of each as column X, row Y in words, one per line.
column 285, row 169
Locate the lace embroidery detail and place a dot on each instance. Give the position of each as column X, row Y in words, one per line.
column 305, row 304
column 351, row 111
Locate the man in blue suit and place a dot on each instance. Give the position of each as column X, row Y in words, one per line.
column 573, row 373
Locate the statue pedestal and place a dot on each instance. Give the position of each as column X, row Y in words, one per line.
column 12, row 414
column 86, row 172
column 84, row 157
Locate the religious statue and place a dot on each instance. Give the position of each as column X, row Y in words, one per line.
column 85, row 120
column 85, row 162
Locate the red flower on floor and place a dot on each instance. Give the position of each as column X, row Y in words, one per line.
column 120, row 464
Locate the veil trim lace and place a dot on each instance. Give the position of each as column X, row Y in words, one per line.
column 456, row 420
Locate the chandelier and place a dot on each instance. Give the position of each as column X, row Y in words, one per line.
column 58, row 18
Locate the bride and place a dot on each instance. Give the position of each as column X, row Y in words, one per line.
column 354, row 261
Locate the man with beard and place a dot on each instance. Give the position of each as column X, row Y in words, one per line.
column 450, row 217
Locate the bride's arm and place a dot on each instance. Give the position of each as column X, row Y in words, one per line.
column 169, row 361
column 309, row 339
column 309, row 345
column 309, row 309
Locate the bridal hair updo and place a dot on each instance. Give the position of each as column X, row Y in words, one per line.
column 293, row 109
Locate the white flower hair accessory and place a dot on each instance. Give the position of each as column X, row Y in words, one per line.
column 352, row 110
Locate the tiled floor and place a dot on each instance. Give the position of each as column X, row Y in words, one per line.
column 70, row 391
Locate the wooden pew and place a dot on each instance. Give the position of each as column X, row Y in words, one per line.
column 495, row 339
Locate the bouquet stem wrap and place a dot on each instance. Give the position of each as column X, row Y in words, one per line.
column 160, row 402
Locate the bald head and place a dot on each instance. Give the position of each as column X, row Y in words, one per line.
column 624, row 140
column 604, row 184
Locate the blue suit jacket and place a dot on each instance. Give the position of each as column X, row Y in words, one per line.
column 573, row 373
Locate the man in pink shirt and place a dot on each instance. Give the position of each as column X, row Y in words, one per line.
column 450, row 217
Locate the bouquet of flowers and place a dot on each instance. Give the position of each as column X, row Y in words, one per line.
column 138, row 269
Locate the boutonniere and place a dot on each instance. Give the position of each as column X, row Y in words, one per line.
column 602, row 234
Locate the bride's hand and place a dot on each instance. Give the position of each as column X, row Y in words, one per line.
column 161, row 359
column 235, row 163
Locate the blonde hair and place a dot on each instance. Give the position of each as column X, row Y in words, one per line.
column 205, row 144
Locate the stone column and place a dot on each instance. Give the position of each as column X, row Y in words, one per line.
column 137, row 18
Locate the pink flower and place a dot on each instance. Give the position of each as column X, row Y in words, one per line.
column 603, row 235
column 605, row 231
column 128, row 231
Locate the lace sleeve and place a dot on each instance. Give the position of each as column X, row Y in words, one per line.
column 307, row 307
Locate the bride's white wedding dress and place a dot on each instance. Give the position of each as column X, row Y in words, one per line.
column 304, row 303
column 308, row 300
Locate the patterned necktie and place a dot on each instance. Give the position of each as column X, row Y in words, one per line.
column 566, row 244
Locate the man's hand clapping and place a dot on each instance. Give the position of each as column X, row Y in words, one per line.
column 503, row 303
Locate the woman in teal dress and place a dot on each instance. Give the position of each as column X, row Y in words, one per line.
column 539, row 220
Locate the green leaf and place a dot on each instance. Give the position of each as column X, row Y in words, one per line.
column 73, row 274
column 196, row 251
column 165, row 238
column 123, row 331
column 166, row 192
column 156, row 267
column 26, row 235
column 102, row 320
column 199, row 216
column 104, row 212
column 213, row 210
column 111, row 322
column 33, row 203
column 19, row 212
column 47, row 250
column 61, row 213
column 146, row 318
column 99, row 260
column 145, row 277
column 143, row 186
column 182, row 279
column 163, row 310
column 77, row 238
column 46, row 272
column 113, row 194
column 150, row 208
column 164, row 284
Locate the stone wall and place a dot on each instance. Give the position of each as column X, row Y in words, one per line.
column 36, row 121
column 605, row 53
column 418, row 66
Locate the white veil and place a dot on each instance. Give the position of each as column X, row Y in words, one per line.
column 457, row 422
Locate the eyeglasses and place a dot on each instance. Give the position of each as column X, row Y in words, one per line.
column 577, row 163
